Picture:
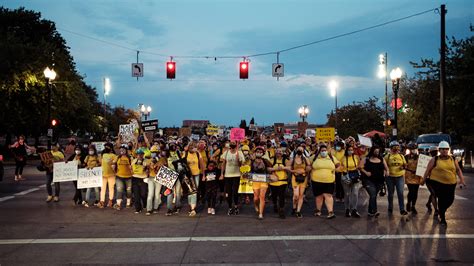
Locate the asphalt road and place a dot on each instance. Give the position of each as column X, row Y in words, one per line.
column 34, row 232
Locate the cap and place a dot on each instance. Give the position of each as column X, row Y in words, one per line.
column 394, row 143
column 412, row 146
column 443, row 145
column 140, row 151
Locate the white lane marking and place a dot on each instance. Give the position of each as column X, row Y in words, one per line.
column 26, row 192
column 231, row 239
column 6, row 198
column 459, row 197
column 42, row 186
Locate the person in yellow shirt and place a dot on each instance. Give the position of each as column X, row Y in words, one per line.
column 278, row 187
column 196, row 165
column 260, row 167
column 58, row 156
column 139, row 187
column 411, row 179
column 109, row 160
column 323, row 176
column 299, row 166
column 442, row 172
column 396, row 171
column 351, row 182
column 92, row 160
column 124, row 178
column 338, row 153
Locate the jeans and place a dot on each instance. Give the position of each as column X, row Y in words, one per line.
column 351, row 195
column 124, row 183
column 139, row 188
column 192, row 199
column 176, row 195
column 88, row 194
column 373, row 189
column 397, row 182
column 232, row 190
column 153, row 200
column 49, row 188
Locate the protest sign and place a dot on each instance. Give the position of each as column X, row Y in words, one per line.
column 325, row 134
column 212, row 131
column 423, row 161
column 99, row 146
column 245, row 186
column 89, row 178
column 365, row 141
column 237, row 134
column 259, row 177
column 310, row 133
column 126, row 132
column 195, row 137
column 288, row 136
column 185, row 132
column 47, row 159
column 166, row 177
column 64, row 172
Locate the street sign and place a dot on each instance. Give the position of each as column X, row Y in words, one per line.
column 50, row 132
column 137, row 69
column 150, row 125
column 278, row 70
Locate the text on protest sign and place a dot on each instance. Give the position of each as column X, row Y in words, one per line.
column 365, row 141
column 237, row 134
column 166, row 177
column 422, row 165
column 89, row 178
column 310, row 133
column 325, row 134
column 99, row 146
column 64, row 172
column 47, row 159
column 127, row 131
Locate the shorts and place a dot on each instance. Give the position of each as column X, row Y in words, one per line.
column 259, row 185
column 322, row 188
column 300, row 185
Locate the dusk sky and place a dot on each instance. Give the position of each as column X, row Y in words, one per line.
column 212, row 90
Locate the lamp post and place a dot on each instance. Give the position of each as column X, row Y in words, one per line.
column 50, row 75
column 303, row 111
column 106, row 93
column 383, row 74
column 333, row 87
column 395, row 76
column 145, row 110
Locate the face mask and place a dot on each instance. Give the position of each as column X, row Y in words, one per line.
column 246, row 152
column 338, row 148
column 350, row 152
column 233, row 146
column 153, row 155
column 299, row 152
column 130, row 147
column 283, row 149
column 78, row 152
column 227, row 145
column 91, row 152
column 324, row 153
column 194, row 149
column 123, row 152
column 259, row 155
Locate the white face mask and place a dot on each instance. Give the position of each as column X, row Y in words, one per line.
column 324, row 153
column 78, row 152
column 91, row 152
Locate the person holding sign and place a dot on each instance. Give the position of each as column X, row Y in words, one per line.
column 299, row 167
column 260, row 168
column 108, row 162
column 153, row 200
column 411, row 179
column 92, row 160
column 442, row 172
column 232, row 159
column 79, row 157
column 396, row 165
column 323, row 176
column 58, row 156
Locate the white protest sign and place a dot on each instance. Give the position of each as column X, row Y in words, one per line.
column 365, row 141
column 126, row 132
column 64, row 172
column 288, row 136
column 423, row 161
column 195, row 137
column 310, row 133
column 88, row 178
column 166, row 177
column 99, row 146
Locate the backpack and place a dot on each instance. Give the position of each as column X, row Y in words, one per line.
column 452, row 157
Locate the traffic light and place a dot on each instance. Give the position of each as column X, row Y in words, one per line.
column 244, row 70
column 171, row 70
column 54, row 122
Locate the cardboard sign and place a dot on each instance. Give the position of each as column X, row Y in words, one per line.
column 195, row 137
column 422, row 165
column 253, row 127
column 99, row 146
column 259, row 177
column 47, row 159
column 325, row 134
column 212, row 131
column 288, row 136
column 150, row 125
column 245, row 186
column 89, row 178
column 64, row 172
column 310, row 133
column 127, row 131
column 185, row 132
column 237, row 134
column 166, row 177
column 365, row 141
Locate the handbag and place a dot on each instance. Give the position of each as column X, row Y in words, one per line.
column 300, row 178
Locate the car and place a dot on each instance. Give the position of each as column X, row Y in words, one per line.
column 425, row 141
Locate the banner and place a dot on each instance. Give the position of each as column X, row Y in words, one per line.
column 166, row 177
column 423, row 161
column 325, row 134
column 127, row 131
column 64, row 172
column 237, row 134
column 89, row 178
column 245, row 186
column 365, row 141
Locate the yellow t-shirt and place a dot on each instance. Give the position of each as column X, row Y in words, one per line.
column 282, row 178
column 395, row 163
column 139, row 167
column 108, row 160
column 155, row 167
column 91, row 161
column 203, row 155
column 193, row 163
column 57, row 156
column 124, row 167
column 351, row 161
column 339, row 155
column 444, row 171
column 323, row 169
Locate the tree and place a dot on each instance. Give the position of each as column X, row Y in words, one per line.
column 357, row 118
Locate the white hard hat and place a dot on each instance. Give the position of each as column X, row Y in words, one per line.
column 443, row 145
column 394, row 143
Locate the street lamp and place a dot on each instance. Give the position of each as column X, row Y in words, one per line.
column 333, row 87
column 145, row 110
column 395, row 76
column 107, row 88
column 382, row 73
column 50, row 75
column 303, row 111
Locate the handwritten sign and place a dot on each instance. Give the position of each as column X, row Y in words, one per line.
column 195, row 137
column 47, row 159
column 365, row 141
column 310, row 133
column 126, row 132
column 325, row 134
column 259, row 177
column 237, row 134
column 212, row 131
column 166, row 177
column 245, row 186
column 423, row 161
column 64, row 172
column 99, row 146
column 89, row 178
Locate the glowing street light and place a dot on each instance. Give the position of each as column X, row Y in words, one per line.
column 303, row 111
column 395, row 76
column 333, row 85
column 50, row 75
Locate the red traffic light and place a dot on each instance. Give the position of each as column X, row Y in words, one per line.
column 244, row 70
column 171, row 70
column 54, row 122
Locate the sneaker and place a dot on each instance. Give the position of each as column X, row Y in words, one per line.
column 408, row 207
column 96, row 203
column 169, row 213
column 138, row 211
column 317, row 213
column 155, row 211
column 298, row 215
column 348, row 213
column 148, row 213
column 208, row 210
column 49, row 199
column 177, row 210
column 116, row 207
column 192, row 213
column 101, row 205
column 110, row 204
column 236, row 211
column 56, row 199
column 86, row 204
column 413, row 210
column 355, row 213
column 17, row 179
column 213, row 211
column 331, row 215
column 230, row 211
column 403, row 212
column 260, row 217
